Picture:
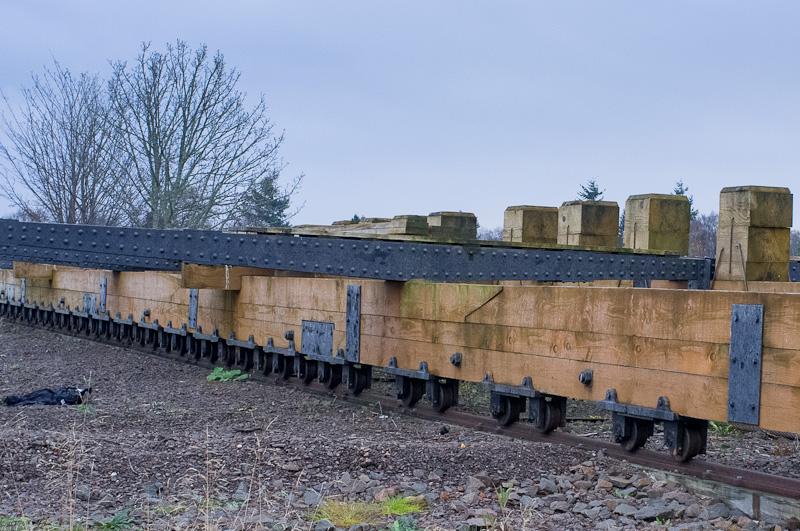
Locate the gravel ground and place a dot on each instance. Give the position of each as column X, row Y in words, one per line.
column 159, row 447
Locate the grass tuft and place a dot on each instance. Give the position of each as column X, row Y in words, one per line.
column 346, row 514
column 401, row 506
column 350, row 513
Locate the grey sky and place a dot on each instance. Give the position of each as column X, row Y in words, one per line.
column 416, row 106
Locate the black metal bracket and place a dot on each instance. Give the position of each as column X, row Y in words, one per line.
column 744, row 368
column 422, row 374
column 353, row 324
column 524, row 390
column 194, row 296
column 661, row 412
column 103, row 295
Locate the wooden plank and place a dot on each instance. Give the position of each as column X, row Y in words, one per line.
column 31, row 270
column 643, row 342
column 757, row 286
column 225, row 277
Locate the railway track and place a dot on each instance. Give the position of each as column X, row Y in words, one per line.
column 749, row 484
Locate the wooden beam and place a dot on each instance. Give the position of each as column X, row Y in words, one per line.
column 31, row 270
column 644, row 343
column 588, row 223
column 224, row 277
column 657, row 222
column 531, row 224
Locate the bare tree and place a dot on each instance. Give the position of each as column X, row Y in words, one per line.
column 795, row 243
column 703, row 235
column 58, row 159
column 193, row 147
column 495, row 234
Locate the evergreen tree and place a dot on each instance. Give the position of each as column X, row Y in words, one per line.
column 682, row 189
column 591, row 191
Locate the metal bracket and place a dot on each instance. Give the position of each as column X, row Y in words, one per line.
column 353, row 324
column 744, row 369
column 421, row 374
column 103, row 295
column 661, row 412
column 194, row 295
column 316, row 340
column 525, row 389
column 706, row 270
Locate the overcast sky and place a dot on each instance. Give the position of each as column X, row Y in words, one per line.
column 415, row 106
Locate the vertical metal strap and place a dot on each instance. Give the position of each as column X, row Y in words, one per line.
column 744, row 370
column 353, row 324
column 194, row 295
column 103, row 294
column 23, row 288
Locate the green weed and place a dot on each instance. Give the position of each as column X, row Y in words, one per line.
column 723, row 428
column 503, row 494
column 119, row 522
column 404, row 524
column 15, row 523
column 220, row 374
column 86, row 408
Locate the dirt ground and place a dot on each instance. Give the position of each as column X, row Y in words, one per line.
column 160, row 447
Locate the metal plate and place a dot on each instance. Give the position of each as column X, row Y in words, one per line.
column 316, row 338
column 103, row 295
column 353, row 324
column 744, row 372
column 193, row 298
column 794, row 270
column 89, row 303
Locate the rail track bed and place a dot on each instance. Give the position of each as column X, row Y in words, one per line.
column 176, row 451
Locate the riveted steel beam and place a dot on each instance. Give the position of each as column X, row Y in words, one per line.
column 133, row 248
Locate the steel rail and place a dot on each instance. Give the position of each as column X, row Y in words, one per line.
column 341, row 256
